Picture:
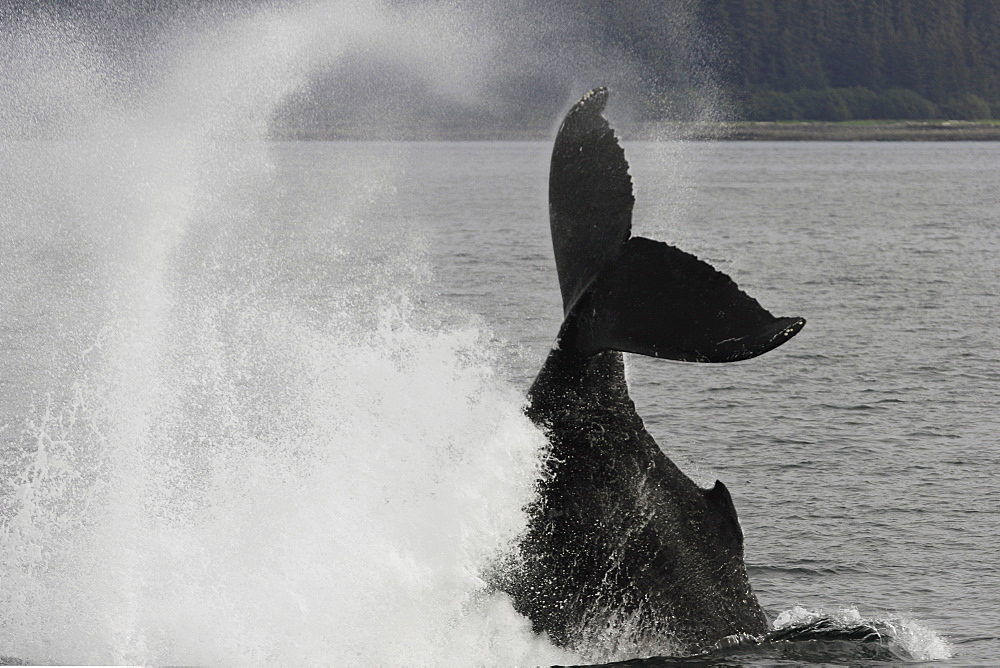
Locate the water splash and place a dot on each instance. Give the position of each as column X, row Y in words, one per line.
column 228, row 477
column 904, row 639
column 801, row 636
column 351, row 516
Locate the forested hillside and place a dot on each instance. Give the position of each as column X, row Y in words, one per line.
column 859, row 58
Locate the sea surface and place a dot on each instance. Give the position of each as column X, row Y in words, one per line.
column 260, row 402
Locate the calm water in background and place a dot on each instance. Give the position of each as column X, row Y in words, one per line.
column 315, row 308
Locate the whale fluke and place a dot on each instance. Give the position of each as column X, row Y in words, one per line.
column 590, row 196
column 634, row 294
column 657, row 300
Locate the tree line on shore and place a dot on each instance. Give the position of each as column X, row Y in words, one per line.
column 858, row 59
column 860, row 103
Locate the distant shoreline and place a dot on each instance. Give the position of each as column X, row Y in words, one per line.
column 978, row 131
column 666, row 131
column 848, row 131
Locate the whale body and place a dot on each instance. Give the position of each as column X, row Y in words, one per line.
column 620, row 542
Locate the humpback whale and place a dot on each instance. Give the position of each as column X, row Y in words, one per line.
column 620, row 542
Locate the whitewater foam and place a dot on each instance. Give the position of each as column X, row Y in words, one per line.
column 225, row 477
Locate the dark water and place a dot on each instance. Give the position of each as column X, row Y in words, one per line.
column 260, row 401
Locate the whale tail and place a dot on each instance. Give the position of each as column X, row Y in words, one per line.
column 634, row 294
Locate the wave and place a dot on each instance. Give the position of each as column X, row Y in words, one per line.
column 823, row 637
column 806, row 570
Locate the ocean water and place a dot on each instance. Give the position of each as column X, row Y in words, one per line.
column 260, row 402
column 267, row 408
